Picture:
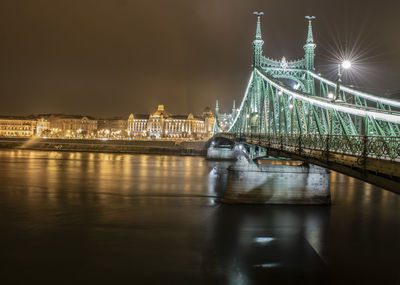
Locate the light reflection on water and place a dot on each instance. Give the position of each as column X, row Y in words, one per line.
column 139, row 207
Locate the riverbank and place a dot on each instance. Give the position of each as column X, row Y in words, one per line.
column 196, row 148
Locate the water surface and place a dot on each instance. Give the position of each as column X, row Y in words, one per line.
column 69, row 218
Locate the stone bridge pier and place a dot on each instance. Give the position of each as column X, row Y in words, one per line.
column 255, row 178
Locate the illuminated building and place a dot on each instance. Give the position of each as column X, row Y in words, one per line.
column 42, row 127
column 115, row 128
column 158, row 125
column 137, row 126
column 17, row 127
column 72, row 126
column 22, row 126
column 162, row 125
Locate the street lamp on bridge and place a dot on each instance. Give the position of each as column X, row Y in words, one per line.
column 346, row 64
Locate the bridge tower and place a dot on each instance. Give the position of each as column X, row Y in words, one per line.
column 258, row 42
column 309, row 48
column 216, row 121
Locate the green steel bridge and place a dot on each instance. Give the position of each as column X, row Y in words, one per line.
column 316, row 120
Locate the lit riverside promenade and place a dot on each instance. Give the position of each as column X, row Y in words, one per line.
column 317, row 121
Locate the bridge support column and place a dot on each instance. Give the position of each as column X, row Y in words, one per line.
column 219, row 153
column 277, row 182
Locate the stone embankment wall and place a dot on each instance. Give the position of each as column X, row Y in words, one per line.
column 119, row 146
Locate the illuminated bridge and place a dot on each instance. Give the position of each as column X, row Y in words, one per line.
column 316, row 120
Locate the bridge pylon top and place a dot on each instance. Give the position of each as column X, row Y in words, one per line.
column 258, row 31
column 310, row 38
column 258, row 42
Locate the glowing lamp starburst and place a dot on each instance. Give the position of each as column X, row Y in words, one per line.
column 346, row 64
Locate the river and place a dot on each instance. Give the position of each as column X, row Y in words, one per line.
column 98, row 218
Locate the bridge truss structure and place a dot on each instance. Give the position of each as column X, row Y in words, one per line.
column 316, row 114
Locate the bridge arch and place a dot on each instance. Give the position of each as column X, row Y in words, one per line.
column 299, row 81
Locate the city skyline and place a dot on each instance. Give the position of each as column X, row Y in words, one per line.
column 159, row 124
column 101, row 58
column 86, row 114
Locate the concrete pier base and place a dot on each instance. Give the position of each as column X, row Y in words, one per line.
column 277, row 182
column 225, row 154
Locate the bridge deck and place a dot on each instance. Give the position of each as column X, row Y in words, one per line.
column 379, row 169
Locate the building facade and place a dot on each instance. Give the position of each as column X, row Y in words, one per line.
column 71, row 126
column 42, row 127
column 158, row 125
column 17, row 127
column 22, row 127
column 137, row 126
column 112, row 128
column 162, row 125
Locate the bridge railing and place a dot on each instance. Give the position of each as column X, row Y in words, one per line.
column 361, row 146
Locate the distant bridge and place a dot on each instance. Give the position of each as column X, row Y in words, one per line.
column 316, row 120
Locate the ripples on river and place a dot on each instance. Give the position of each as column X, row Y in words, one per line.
column 95, row 217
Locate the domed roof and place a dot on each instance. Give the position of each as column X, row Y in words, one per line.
column 160, row 112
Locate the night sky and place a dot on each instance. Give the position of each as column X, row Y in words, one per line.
column 114, row 57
